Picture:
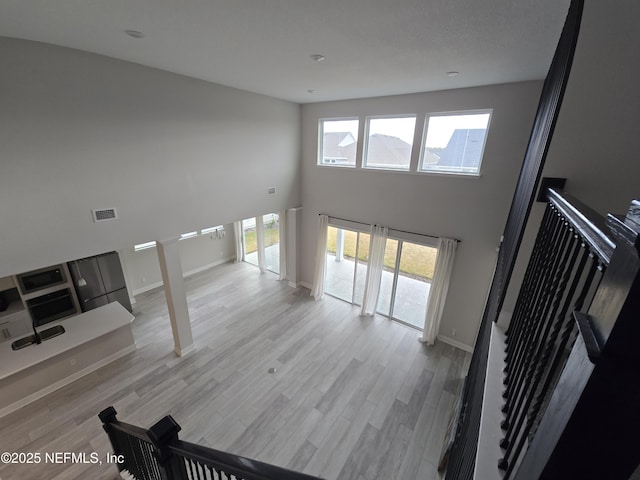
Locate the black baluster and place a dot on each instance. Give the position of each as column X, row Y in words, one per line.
column 536, row 254
column 527, row 351
column 567, row 334
column 528, row 307
column 540, row 355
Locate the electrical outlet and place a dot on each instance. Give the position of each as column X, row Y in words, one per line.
column 453, row 332
column 72, row 361
column 271, row 190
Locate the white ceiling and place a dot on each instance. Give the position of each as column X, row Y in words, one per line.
column 372, row 47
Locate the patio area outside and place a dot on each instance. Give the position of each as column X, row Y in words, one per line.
column 410, row 304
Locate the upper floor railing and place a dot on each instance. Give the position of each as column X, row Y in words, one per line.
column 572, row 355
column 569, row 258
column 158, row 454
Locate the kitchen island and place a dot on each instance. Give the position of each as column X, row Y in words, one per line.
column 91, row 340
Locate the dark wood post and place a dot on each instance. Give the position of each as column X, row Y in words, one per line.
column 108, row 418
column 592, row 424
column 162, row 434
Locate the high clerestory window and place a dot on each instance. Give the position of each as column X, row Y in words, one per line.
column 450, row 143
column 454, row 143
column 338, row 142
column 389, row 142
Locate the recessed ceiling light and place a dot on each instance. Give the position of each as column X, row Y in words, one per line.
column 134, row 33
column 316, row 57
column 452, row 74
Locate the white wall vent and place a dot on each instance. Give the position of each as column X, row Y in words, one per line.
column 104, row 214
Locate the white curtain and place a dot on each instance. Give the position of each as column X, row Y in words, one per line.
column 262, row 263
column 374, row 269
column 282, row 232
column 317, row 289
column 439, row 287
column 237, row 232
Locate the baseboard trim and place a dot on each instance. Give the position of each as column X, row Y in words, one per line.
column 147, row 288
column 185, row 351
column 208, row 266
column 151, row 286
column 455, row 343
column 305, row 285
column 65, row 381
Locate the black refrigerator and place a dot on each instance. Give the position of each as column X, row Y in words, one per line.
column 99, row 280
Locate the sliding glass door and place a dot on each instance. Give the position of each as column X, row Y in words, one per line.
column 250, row 240
column 271, row 222
column 269, row 227
column 412, row 282
column 406, row 276
column 347, row 257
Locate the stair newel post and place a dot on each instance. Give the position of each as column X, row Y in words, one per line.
column 162, row 434
column 108, row 418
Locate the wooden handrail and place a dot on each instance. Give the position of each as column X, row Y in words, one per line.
column 172, row 457
column 591, row 226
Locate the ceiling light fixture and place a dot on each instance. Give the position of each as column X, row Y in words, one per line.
column 311, row 91
column 134, row 33
column 452, row 74
column 316, row 57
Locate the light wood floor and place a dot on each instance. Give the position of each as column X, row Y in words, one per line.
column 352, row 398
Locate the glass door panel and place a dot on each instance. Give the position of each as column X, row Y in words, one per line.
column 341, row 246
column 414, row 277
column 406, row 276
column 271, row 222
column 250, row 240
column 388, row 277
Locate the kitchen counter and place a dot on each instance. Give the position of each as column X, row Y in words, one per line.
column 91, row 339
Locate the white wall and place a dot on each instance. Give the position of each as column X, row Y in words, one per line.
column 471, row 209
column 142, row 269
column 596, row 143
column 79, row 131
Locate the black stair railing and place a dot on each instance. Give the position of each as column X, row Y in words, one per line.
column 567, row 264
column 572, row 356
column 158, row 454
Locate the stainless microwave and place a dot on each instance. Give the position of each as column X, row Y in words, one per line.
column 41, row 279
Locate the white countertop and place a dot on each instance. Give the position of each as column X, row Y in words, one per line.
column 79, row 329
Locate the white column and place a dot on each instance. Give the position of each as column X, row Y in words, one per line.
column 340, row 245
column 171, row 268
column 293, row 225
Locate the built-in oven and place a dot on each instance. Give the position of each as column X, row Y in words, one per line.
column 52, row 306
column 40, row 279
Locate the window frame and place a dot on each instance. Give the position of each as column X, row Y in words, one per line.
column 365, row 142
column 144, row 246
column 423, row 142
column 320, row 152
column 208, row 230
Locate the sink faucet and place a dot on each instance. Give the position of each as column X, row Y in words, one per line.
column 35, row 333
